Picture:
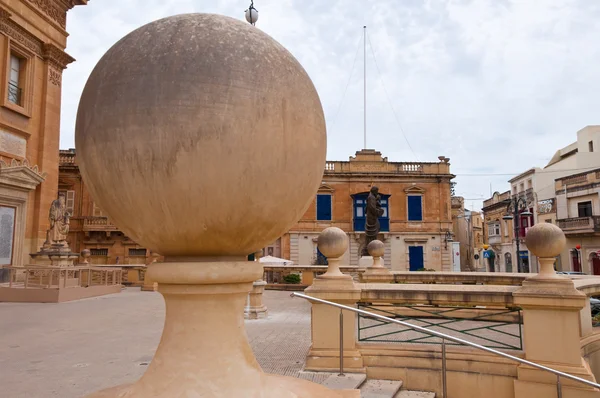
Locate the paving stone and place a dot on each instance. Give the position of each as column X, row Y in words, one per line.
column 415, row 394
column 349, row 381
column 380, row 388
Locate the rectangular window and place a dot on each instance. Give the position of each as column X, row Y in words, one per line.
column 359, row 212
column 584, row 209
column 415, row 208
column 591, row 146
column 15, row 76
column 137, row 252
column 99, row 252
column 323, row 207
column 97, row 211
column 494, row 229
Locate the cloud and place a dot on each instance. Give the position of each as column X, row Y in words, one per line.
column 497, row 86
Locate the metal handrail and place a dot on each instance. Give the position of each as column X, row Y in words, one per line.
column 444, row 337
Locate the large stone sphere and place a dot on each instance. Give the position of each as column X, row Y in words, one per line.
column 545, row 240
column 199, row 135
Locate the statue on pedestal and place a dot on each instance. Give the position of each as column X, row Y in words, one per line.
column 374, row 211
column 58, row 217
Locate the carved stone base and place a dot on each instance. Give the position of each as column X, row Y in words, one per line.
column 255, row 309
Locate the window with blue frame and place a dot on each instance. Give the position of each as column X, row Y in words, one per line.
column 323, row 207
column 360, row 212
column 415, row 207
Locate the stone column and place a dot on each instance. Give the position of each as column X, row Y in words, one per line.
column 324, row 354
column 149, row 284
column 551, row 310
column 255, row 309
column 377, row 273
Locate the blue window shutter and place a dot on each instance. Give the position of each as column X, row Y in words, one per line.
column 415, row 208
column 324, row 207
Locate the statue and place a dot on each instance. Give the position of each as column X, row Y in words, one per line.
column 59, row 222
column 374, row 211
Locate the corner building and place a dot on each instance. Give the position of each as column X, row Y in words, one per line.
column 415, row 198
column 33, row 38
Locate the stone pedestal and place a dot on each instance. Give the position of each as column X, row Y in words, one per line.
column 551, row 321
column 204, row 351
column 324, row 354
column 255, row 309
column 376, row 272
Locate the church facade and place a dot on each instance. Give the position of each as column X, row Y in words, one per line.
column 33, row 38
column 414, row 226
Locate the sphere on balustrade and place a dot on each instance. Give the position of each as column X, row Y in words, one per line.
column 200, row 135
column 332, row 242
column 376, row 248
column 545, row 240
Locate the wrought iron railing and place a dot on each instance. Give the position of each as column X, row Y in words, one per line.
column 15, row 93
column 490, row 327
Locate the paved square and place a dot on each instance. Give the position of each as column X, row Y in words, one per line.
column 72, row 349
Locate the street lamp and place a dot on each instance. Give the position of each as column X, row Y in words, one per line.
column 252, row 14
column 517, row 203
column 448, row 238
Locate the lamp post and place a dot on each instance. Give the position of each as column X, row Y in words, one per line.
column 517, row 203
column 252, row 14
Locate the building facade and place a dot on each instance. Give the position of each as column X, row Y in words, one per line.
column 90, row 228
column 498, row 232
column 415, row 198
column 468, row 232
column 33, row 38
column 578, row 215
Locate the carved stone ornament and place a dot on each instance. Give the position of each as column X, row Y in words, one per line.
column 52, row 10
column 18, row 34
column 56, row 57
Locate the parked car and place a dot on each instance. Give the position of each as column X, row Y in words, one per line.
column 594, row 306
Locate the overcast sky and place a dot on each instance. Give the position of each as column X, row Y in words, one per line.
column 495, row 85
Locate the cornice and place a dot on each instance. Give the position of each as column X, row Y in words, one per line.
column 52, row 10
column 19, row 34
column 56, row 57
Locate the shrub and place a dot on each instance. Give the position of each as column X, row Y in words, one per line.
column 292, row 279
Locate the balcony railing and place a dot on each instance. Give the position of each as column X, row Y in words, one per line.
column 15, row 93
column 98, row 224
column 580, row 225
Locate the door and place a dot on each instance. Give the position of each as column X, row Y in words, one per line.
column 596, row 264
column 508, row 262
column 415, row 257
column 576, row 263
column 456, row 254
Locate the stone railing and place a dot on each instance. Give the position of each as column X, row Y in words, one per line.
column 68, row 160
column 457, row 278
column 386, row 167
column 410, row 168
column 37, row 277
column 576, row 179
column 580, row 224
column 98, row 224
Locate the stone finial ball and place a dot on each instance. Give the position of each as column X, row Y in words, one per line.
column 332, row 242
column 200, row 135
column 376, row 248
column 85, row 253
column 545, row 240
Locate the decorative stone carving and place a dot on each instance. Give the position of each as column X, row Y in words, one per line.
column 56, row 57
column 18, row 34
column 51, row 9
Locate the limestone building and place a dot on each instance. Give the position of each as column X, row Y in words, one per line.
column 468, row 231
column 498, row 232
column 90, row 228
column 577, row 213
column 33, row 38
column 415, row 198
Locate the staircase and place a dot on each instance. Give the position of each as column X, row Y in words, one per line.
column 372, row 388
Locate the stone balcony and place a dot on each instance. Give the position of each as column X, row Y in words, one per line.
column 580, row 225
column 102, row 224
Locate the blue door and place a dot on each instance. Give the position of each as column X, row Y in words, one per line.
column 415, row 257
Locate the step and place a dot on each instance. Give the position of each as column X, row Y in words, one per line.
column 350, row 381
column 415, row 394
column 380, row 388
